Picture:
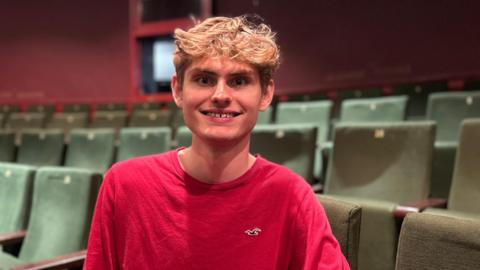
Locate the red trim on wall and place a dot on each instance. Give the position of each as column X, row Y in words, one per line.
column 164, row 27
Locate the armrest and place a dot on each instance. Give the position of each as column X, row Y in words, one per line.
column 7, row 239
column 72, row 260
column 402, row 210
column 317, row 188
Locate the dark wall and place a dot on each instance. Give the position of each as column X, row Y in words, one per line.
column 331, row 44
column 64, row 50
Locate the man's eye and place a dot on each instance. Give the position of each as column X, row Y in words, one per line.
column 238, row 82
column 204, row 80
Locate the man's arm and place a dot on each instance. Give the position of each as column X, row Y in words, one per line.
column 101, row 244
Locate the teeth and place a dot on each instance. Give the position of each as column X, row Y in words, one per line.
column 220, row 115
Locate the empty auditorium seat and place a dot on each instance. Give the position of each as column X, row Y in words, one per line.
column 73, row 108
column 265, row 117
column 417, row 98
column 379, row 166
column 136, row 142
column 354, row 93
column 146, row 106
column 18, row 120
column 68, row 121
column 150, row 118
column 313, row 112
column 9, row 108
column 47, row 109
column 109, row 119
column 16, row 185
column 63, row 202
column 110, row 107
column 379, row 109
column 7, row 145
column 91, row 149
column 431, row 242
column 292, row 145
column 344, row 218
column 183, row 137
column 41, row 147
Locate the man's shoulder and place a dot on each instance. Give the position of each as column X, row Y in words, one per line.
column 144, row 163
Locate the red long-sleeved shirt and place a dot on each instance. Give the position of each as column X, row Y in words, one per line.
column 150, row 214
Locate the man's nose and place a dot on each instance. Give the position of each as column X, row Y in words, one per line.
column 222, row 96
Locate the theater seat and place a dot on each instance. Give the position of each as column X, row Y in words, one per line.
column 344, row 218
column 150, row 118
column 41, row 147
column 265, row 117
column 431, row 242
column 379, row 166
column 146, row 106
column 7, row 145
column 74, row 107
column 63, row 202
column 379, row 109
column 292, row 145
column 136, row 142
column 16, row 186
column 109, row 119
column 17, row 120
column 110, row 107
column 183, row 137
column 91, row 149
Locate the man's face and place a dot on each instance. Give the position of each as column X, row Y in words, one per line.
column 220, row 99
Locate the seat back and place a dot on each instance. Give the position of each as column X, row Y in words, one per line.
column 265, row 117
column 384, row 161
column 183, row 137
column 150, row 118
column 431, row 242
column 379, row 109
column 109, row 119
column 7, row 145
column 63, row 202
column 16, row 184
column 19, row 120
column 344, row 218
column 146, row 106
column 465, row 191
column 110, row 107
column 292, row 145
column 136, row 142
column 41, row 147
column 449, row 109
column 68, row 121
column 91, row 149
column 311, row 112
column 73, row 108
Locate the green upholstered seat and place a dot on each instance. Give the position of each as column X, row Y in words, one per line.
column 74, row 107
column 7, row 145
column 442, row 168
column 314, row 112
column 91, row 149
column 9, row 108
column 379, row 109
column 68, row 121
column 417, row 97
column 146, row 106
column 265, row 117
column 183, row 137
column 341, row 95
column 292, row 145
column 19, row 120
column 344, row 218
column 41, row 147
column 43, row 108
column 110, row 107
column 431, row 242
column 150, row 118
column 380, row 165
column 136, row 142
column 62, row 207
column 109, row 119
column 449, row 109
column 16, row 185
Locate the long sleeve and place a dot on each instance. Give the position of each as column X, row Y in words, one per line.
column 101, row 244
column 314, row 245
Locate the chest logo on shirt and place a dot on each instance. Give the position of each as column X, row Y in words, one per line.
column 253, row 232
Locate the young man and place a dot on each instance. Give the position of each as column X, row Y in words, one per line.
column 213, row 205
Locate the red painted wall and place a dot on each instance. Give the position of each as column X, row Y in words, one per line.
column 331, row 44
column 64, row 50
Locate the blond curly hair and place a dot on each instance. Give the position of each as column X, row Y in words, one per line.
column 239, row 38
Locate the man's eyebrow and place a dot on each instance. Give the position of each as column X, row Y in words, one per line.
column 241, row 72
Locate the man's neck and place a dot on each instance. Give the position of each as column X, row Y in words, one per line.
column 212, row 164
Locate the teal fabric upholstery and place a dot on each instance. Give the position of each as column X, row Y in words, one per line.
column 109, row 119
column 379, row 109
column 111, row 107
column 68, row 121
column 136, row 142
column 442, row 169
column 18, row 120
column 16, row 184
column 91, row 149
column 41, row 147
column 449, row 109
column 183, row 137
column 292, row 145
column 344, row 218
column 431, row 242
column 146, row 106
column 71, row 108
column 7, row 145
column 150, row 118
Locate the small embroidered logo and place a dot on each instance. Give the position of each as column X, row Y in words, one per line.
column 253, row 232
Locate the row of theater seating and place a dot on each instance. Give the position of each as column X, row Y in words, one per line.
column 57, row 224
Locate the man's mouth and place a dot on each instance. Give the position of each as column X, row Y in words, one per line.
column 221, row 114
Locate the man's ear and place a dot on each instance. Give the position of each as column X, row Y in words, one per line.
column 267, row 96
column 176, row 91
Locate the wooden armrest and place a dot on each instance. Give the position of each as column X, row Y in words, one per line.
column 402, row 210
column 7, row 239
column 317, row 188
column 72, row 260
